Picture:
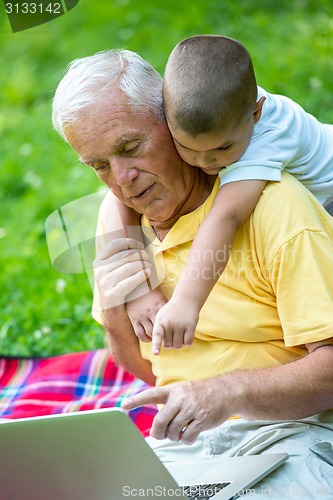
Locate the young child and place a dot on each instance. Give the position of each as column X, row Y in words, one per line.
column 224, row 124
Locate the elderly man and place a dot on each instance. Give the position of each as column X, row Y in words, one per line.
column 259, row 375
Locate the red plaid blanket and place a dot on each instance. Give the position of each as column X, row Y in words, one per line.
column 67, row 383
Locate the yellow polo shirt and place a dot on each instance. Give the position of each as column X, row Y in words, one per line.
column 275, row 295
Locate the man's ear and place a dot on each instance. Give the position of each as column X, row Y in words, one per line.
column 258, row 109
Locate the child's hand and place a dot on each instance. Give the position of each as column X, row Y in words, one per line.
column 175, row 324
column 142, row 312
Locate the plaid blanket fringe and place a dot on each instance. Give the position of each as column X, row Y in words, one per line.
column 68, row 383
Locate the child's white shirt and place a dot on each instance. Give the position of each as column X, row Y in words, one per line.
column 287, row 138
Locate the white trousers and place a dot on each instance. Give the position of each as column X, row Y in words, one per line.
column 307, row 474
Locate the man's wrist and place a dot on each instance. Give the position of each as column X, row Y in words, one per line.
column 113, row 316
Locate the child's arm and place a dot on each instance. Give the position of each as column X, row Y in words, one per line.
column 141, row 309
column 129, row 221
column 175, row 323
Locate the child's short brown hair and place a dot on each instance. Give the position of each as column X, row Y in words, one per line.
column 209, row 84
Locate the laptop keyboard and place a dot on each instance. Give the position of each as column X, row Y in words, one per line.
column 203, row 491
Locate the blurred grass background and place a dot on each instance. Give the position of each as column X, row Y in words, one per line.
column 44, row 312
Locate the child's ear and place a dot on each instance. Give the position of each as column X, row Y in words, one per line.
column 258, row 109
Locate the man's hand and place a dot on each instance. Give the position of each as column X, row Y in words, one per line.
column 119, row 268
column 189, row 408
column 175, row 324
column 142, row 312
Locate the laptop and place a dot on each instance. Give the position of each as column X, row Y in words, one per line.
column 101, row 455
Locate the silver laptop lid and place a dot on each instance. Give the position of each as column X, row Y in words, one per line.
column 93, row 455
column 101, row 455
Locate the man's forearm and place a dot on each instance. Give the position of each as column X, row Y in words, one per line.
column 292, row 391
column 124, row 344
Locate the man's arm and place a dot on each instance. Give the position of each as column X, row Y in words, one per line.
column 292, row 391
column 121, row 265
column 124, row 344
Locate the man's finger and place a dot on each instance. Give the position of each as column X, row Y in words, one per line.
column 114, row 275
column 128, row 284
column 191, row 432
column 116, row 295
column 163, row 420
column 118, row 245
column 118, row 259
column 156, row 395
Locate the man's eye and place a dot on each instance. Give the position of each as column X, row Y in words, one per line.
column 100, row 166
column 131, row 147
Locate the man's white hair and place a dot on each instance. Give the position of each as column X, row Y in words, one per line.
column 85, row 78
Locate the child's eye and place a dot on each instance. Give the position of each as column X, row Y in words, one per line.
column 224, row 148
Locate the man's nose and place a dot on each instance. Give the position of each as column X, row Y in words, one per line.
column 123, row 172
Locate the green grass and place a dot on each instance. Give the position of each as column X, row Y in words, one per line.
column 44, row 312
